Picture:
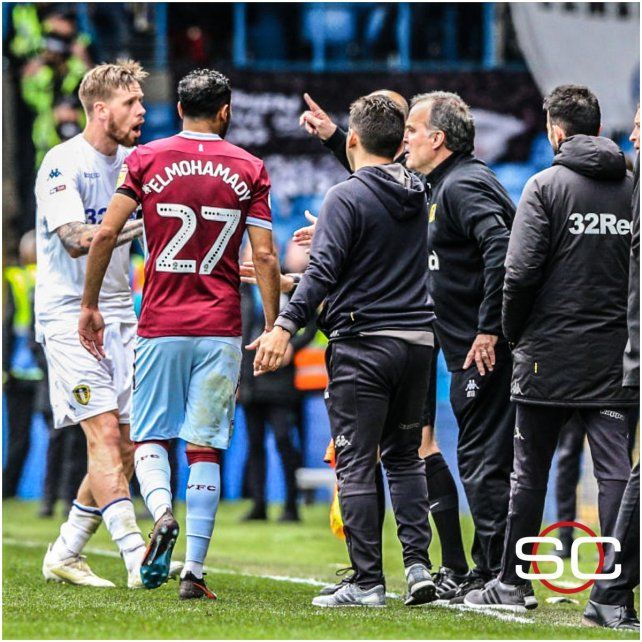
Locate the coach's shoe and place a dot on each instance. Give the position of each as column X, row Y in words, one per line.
column 421, row 588
column 352, row 595
column 154, row 569
column 73, row 570
column 447, row 582
column 472, row 582
column 611, row 616
column 346, row 579
column 504, row 597
column 192, row 587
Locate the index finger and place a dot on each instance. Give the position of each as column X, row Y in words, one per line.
column 310, row 102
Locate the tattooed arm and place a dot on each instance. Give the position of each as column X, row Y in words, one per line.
column 77, row 237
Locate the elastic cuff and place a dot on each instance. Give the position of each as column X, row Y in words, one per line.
column 207, row 455
column 287, row 324
column 87, row 509
column 159, row 442
column 120, row 499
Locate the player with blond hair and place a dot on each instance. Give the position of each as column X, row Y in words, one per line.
column 74, row 185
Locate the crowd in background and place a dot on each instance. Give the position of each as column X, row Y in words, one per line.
column 48, row 53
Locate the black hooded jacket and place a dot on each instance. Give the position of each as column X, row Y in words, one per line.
column 368, row 258
column 565, row 289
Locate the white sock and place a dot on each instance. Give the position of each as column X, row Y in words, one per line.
column 193, row 567
column 120, row 521
column 81, row 524
column 153, row 473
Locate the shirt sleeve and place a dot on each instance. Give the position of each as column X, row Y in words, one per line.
column 481, row 217
column 130, row 181
column 57, row 196
column 259, row 213
column 330, row 247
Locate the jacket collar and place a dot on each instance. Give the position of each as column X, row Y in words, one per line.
column 440, row 171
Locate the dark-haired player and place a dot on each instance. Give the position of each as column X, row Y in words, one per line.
column 198, row 194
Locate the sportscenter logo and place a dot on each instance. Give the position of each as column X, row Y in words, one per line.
column 559, row 563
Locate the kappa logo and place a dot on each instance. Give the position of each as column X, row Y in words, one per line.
column 515, row 388
column 471, row 388
column 518, row 434
column 54, row 173
column 211, row 488
column 341, row 441
column 82, row 394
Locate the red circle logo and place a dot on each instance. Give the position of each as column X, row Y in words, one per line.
column 590, row 533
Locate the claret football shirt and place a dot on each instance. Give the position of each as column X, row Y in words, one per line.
column 198, row 193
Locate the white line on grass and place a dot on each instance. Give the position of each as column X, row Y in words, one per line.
column 506, row 617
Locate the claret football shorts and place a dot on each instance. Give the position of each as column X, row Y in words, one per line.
column 82, row 387
column 186, row 387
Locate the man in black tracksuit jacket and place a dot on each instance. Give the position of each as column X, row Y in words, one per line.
column 564, row 308
column 368, row 263
column 470, row 215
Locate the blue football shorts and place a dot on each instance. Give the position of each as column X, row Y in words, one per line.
column 186, row 387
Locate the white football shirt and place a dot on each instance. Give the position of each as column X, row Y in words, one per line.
column 75, row 183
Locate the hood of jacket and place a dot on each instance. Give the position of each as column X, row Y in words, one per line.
column 593, row 156
column 400, row 192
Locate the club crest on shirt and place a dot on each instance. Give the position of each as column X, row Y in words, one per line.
column 82, row 394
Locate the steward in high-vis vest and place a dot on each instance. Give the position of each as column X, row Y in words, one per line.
column 20, row 370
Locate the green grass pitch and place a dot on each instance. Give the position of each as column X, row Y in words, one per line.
column 264, row 576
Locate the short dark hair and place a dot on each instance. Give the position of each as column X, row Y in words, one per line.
column 575, row 109
column 379, row 122
column 451, row 115
column 203, row 92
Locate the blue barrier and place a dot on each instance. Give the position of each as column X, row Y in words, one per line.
column 317, row 435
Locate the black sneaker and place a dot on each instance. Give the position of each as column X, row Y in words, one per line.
column 154, row 569
column 193, row 588
column 289, row 515
column 611, row 616
column 505, row 597
column 346, row 579
column 471, row 582
column 566, row 537
column 258, row 512
column 447, row 582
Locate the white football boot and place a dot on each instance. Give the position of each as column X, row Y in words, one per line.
column 73, row 570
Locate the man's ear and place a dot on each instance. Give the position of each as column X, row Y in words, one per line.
column 599, row 131
column 439, row 140
column 558, row 134
column 352, row 139
column 225, row 112
column 179, row 109
column 100, row 110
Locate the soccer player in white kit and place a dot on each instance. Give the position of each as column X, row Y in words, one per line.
column 74, row 185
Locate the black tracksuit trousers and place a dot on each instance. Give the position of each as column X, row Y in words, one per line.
column 486, row 419
column 627, row 532
column 375, row 399
column 537, row 431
